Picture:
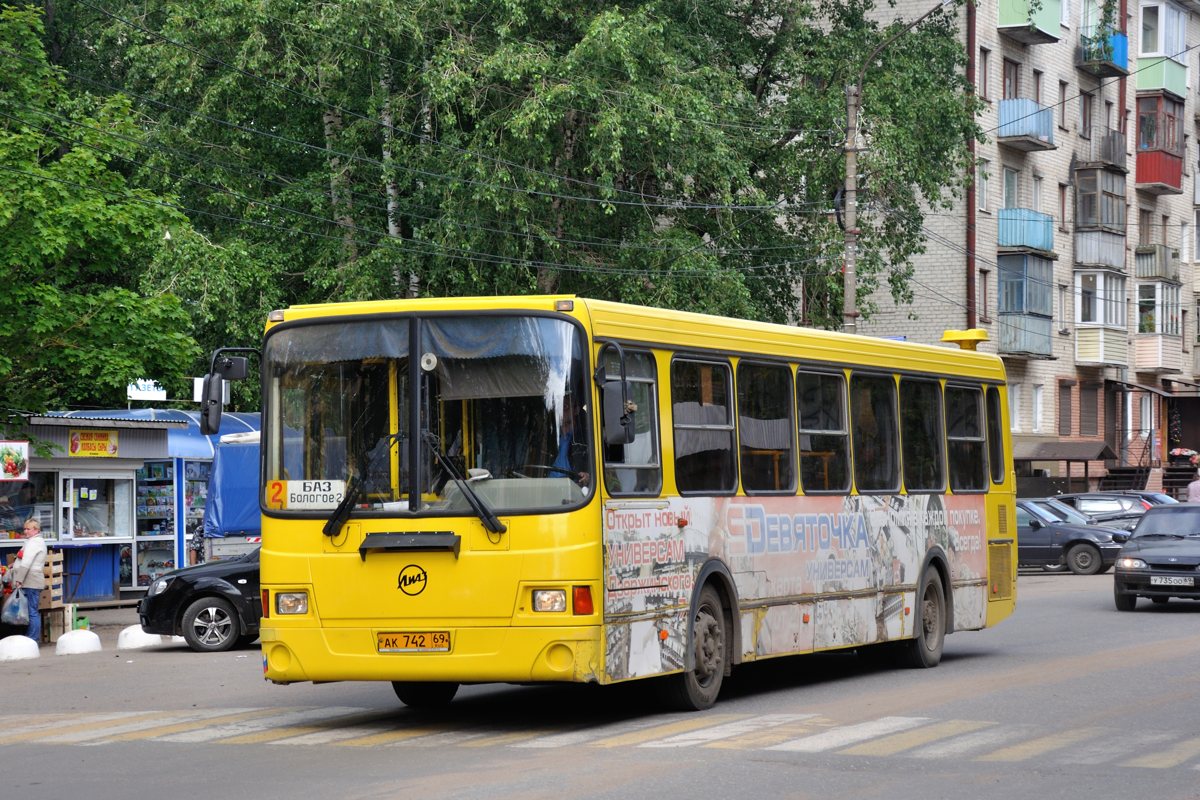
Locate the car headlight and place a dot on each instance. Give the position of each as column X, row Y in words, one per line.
column 291, row 603
column 158, row 587
column 1129, row 562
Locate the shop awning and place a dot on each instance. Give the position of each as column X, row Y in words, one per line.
column 1138, row 387
column 1062, row 451
column 184, row 439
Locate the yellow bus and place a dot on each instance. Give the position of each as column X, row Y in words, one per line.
column 539, row 489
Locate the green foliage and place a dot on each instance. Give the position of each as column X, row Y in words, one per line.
column 671, row 152
column 73, row 328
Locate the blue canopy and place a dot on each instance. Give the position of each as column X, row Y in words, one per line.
column 186, row 442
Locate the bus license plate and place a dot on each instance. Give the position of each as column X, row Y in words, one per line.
column 413, row 642
column 1170, row 580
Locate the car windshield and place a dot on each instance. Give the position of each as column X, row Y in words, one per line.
column 1169, row 521
column 1061, row 511
column 427, row 415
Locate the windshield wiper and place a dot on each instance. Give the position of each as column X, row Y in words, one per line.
column 333, row 525
column 478, row 504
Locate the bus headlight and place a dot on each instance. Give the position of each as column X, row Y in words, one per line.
column 291, row 603
column 549, row 600
column 1128, row 562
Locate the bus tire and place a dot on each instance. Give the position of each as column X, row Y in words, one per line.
column 925, row 649
column 425, row 694
column 696, row 689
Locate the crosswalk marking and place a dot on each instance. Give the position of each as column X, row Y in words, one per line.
column 907, row 740
column 225, row 733
column 762, row 739
column 693, row 722
column 1114, row 748
column 89, row 723
column 582, row 735
column 156, row 720
column 729, row 729
column 967, row 744
column 1170, row 757
column 1042, row 745
column 386, row 737
column 226, row 715
column 288, row 731
column 846, row 735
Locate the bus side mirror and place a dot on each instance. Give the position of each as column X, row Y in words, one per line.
column 618, row 412
column 211, row 392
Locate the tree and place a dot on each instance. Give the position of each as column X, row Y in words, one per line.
column 74, row 236
column 675, row 152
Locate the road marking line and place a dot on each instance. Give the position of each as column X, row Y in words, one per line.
column 1114, row 749
column 1171, row 757
column 693, row 722
column 900, row 742
column 728, row 730
column 223, row 733
column 13, row 725
column 838, row 738
column 228, row 715
column 510, row 739
column 288, row 731
column 972, row 742
column 89, row 722
column 321, row 735
column 386, row 737
column 585, row 735
column 1042, row 745
column 762, row 739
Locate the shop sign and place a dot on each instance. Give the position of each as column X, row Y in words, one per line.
column 14, row 461
column 92, row 443
column 145, row 390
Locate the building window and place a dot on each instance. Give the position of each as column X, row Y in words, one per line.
column 1012, row 186
column 1089, row 410
column 1037, row 86
column 1162, row 230
column 1145, row 226
column 1063, row 193
column 1063, row 89
column 1036, row 199
column 1100, row 299
column 983, row 72
column 1038, row 420
column 981, row 185
column 1086, row 114
column 1158, row 308
column 1065, row 418
column 1025, row 285
column 1063, row 315
column 1164, row 29
column 1014, row 407
column 1100, row 199
column 1160, row 124
column 1012, row 79
column 984, row 297
column 1146, row 412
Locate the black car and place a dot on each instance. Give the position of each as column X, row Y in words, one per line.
column 1161, row 560
column 214, row 606
column 1044, row 539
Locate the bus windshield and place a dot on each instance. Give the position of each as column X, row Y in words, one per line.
column 427, row 415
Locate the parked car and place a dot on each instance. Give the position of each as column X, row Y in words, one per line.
column 1161, row 560
column 1116, row 509
column 1044, row 539
column 213, row 606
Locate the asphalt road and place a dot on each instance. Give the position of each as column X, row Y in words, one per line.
column 1068, row 698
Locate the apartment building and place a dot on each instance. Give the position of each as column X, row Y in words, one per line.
column 1077, row 250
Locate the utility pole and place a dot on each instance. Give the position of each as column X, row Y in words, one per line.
column 850, row 193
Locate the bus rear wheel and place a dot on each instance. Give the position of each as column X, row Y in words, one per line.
column 697, row 688
column 925, row 650
column 425, row 694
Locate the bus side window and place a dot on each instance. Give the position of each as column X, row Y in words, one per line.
column 824, row 438
column 921, row 435
column 874, row 429
column 964, row 432
column 703, row 415
column 765, row 429
column 636, row 468
column 995, row 435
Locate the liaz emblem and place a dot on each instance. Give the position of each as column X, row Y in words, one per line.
column 412, row 580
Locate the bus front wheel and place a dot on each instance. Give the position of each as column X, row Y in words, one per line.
column 424, row 694
column 697, row 688
column 925, row 650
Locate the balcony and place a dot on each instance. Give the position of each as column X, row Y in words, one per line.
column 1103, row 51
column 1157, row 262
column 1025, row 229
column 1159, row 172
column 1161, row 74
column 1026, row 125
column 1038, row 26
column 1097, row 346
column 1159, row 353
column 1103, row 147
column 1100, row 248
column 1024, row 335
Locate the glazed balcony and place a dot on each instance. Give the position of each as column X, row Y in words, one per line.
column 1026, row 125
column 1103, row 51
column 1024, row 335
column 1038, row 25
column 1025, row 229
column 1161, row 74
column 1159, row 172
